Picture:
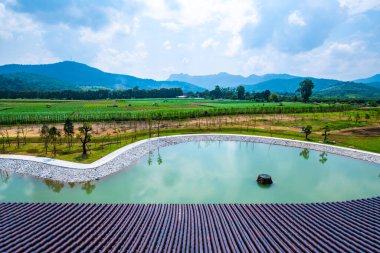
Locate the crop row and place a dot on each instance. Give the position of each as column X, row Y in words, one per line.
column 168, row 114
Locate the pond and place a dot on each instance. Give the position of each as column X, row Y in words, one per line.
column 212, row 172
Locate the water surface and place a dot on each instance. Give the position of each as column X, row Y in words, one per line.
column 213, row 172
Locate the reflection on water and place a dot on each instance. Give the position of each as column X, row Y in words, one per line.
column 159, row 159
column 4, row 176
column 150, row 158
column 57, row 186
column 88, row 187
column 151, row 155
column 305, row 154
column 323, row 158
column 212, row 172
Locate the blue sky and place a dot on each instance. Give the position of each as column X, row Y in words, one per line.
column 155, row 38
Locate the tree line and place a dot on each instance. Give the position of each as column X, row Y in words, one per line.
column 93, row 94
column 305, row 91
column 237, row 93
column 50, row 135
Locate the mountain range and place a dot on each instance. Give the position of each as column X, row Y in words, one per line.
column 78, row 76
column 75, row 76
column 224, row 79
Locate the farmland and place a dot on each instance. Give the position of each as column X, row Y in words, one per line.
column 117, row 123
column 54, row 111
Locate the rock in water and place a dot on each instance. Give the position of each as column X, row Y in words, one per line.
column 264, row 179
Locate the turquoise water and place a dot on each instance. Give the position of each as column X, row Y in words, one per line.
column 213, row 172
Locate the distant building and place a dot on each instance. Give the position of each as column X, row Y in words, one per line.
column 183, row 96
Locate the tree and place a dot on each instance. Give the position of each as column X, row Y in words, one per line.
column 266, row 95
column 68, row 128
column 216, row 93
column 54, row 133
column 326, row 131
column 273, row 97
column 306, row 89
column 44, row 133
column 307, row 131
column 240, row 92
column 357, row 118
column 2, row 133
column 84, row 136
column 149, row 121
column 18, row 132
column 159, row 118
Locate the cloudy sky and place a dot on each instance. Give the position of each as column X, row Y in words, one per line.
column 154, row 38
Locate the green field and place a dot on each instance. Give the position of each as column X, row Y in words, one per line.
column 22, row 111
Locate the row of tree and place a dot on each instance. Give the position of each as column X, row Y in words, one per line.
column 50, row 135
column 305, row 90
column 93, row 94
column 233, row 93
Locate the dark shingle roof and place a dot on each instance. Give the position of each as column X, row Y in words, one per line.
column 352, row 226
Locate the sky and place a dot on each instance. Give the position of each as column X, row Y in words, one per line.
column 155, row 38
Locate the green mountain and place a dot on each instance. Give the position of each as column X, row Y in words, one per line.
column 372, row 79
column 76, row 75
column 350, row 90
column 28, row 81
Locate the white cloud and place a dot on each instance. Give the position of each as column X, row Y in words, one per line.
column 22, row 39
column 359, row 6
column 171, row 26
column 167, row 45
column 14, row 23
column 210, row 42
column 337, row 60
column 119, row 61
column 117, row 27
column 234, row 46
column 227, row 14
column 187, row 46
column 295, row 18
column 330, row 43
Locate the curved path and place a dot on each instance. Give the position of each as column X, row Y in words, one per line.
column 352, row 226
column 124, row 157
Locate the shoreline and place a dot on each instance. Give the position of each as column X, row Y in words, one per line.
column 54, row 169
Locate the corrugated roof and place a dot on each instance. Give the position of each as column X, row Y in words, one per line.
column 352, row 226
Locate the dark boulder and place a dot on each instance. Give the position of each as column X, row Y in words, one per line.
column 264, row 179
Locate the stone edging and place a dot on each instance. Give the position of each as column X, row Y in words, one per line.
column 75, row 172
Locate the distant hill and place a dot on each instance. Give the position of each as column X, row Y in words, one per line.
column 290, row 85
column 350, row 90
column 225, row 80
column 76, row 75
column 372, row 79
